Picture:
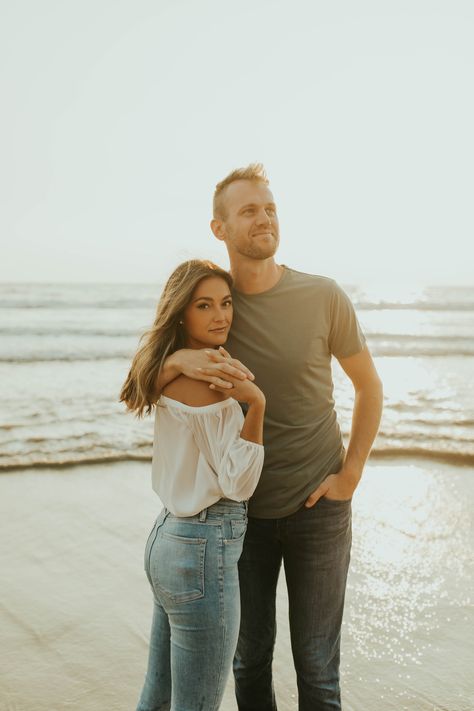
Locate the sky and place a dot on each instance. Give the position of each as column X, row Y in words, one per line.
column 119, row 117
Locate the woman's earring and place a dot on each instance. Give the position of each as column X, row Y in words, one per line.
column 181, row 323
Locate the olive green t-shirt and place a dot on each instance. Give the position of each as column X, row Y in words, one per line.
column 287, row 336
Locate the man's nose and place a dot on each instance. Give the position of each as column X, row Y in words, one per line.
column 263, row 218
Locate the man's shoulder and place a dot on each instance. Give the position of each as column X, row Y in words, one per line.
column 318, row 281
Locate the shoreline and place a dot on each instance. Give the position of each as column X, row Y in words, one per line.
column 76, row 607
column 456, row 459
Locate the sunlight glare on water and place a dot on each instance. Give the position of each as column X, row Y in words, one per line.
column 409, row 590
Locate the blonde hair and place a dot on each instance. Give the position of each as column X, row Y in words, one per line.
column 166, row 335
column 254, row 171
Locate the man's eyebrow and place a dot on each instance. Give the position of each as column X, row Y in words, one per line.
column 254, row 204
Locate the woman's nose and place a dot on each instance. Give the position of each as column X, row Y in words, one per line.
column 219, row 315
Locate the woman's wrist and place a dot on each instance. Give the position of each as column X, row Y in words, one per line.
column 258, row 401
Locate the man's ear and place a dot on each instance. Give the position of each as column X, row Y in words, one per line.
column 217, row 228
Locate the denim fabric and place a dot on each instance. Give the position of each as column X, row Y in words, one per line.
column 191, row 564
column 314, row 544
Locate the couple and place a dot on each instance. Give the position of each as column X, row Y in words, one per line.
column 282, row 328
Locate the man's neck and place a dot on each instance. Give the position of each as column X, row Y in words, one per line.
column 253, row 276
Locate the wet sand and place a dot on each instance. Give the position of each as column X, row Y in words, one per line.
column 75, row 606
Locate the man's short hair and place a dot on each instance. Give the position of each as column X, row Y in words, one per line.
column 254, row 171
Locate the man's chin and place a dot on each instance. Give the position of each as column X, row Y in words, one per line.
column 260, row 253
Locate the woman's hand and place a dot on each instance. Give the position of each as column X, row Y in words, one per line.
column 243, row 391
column 213, row 366
column 246, row 391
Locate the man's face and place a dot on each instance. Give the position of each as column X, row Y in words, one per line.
column 250, row 225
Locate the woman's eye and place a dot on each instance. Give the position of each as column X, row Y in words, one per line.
column 203, row 306
column 228, row 303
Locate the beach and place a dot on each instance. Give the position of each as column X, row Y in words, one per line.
column 76, row 606
column 76, row 505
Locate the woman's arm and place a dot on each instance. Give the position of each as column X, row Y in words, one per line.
column 236, row 457
column 208, row 365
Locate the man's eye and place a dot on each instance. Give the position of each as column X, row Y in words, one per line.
column 270, row 211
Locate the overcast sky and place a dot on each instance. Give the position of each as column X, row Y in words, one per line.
column 119, row 117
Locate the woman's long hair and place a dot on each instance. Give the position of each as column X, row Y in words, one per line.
column 166, row 335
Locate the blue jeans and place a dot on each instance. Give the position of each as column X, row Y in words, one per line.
column 191, row 564
column 314, row 544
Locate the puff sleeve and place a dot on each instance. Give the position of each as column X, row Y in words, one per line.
column 236, row 462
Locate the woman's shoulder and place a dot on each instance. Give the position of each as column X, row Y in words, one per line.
column 195, row 393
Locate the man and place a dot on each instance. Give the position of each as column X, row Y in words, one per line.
column 287, row 326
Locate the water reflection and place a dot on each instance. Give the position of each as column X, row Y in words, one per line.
column 409, row 596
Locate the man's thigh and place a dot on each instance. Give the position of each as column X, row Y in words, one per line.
column 259, row 567
column 316, row 553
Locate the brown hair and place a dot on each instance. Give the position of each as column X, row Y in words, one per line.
column 166, row 335
column 254, row 171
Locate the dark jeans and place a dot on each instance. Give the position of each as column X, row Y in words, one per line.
column 314, row 545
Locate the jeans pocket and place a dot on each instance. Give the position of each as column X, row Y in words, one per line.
column 177, row 567
column 335, row 502
column 238, row 528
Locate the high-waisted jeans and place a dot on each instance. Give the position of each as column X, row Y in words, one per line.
column 191, row 564
column 314, row 545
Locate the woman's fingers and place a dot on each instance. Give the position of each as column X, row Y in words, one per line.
column 214, row 355
column 226, row 369
column 225, row 353
column 225, row 365
column 221, row 385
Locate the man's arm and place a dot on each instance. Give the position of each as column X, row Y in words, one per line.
column 366, row 416
column 202, row 364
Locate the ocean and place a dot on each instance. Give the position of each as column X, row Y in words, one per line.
column 65, row 350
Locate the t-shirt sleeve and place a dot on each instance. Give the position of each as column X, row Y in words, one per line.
column 236, row 462
column 345, row 334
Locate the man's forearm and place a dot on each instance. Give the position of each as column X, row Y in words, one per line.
column 365, row 424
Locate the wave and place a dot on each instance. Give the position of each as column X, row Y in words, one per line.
column 418, row 337
column 60, row 297
column 414, row 305
column 75, row 461
column 378, row 350
column 451, row 457
column 63, row 330
column 458, row 458
column 55, row 358
column 150, row 304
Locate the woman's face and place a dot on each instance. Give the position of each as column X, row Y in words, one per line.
column 208, row 316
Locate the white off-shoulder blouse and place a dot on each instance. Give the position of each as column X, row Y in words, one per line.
column 199, row 456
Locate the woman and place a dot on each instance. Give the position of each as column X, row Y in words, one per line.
column 206, row 463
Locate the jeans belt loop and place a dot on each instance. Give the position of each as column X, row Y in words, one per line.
column 203, row 516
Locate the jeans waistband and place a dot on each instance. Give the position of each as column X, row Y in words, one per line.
column 221, row 507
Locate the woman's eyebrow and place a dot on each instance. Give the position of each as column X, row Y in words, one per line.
column 209, row 298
